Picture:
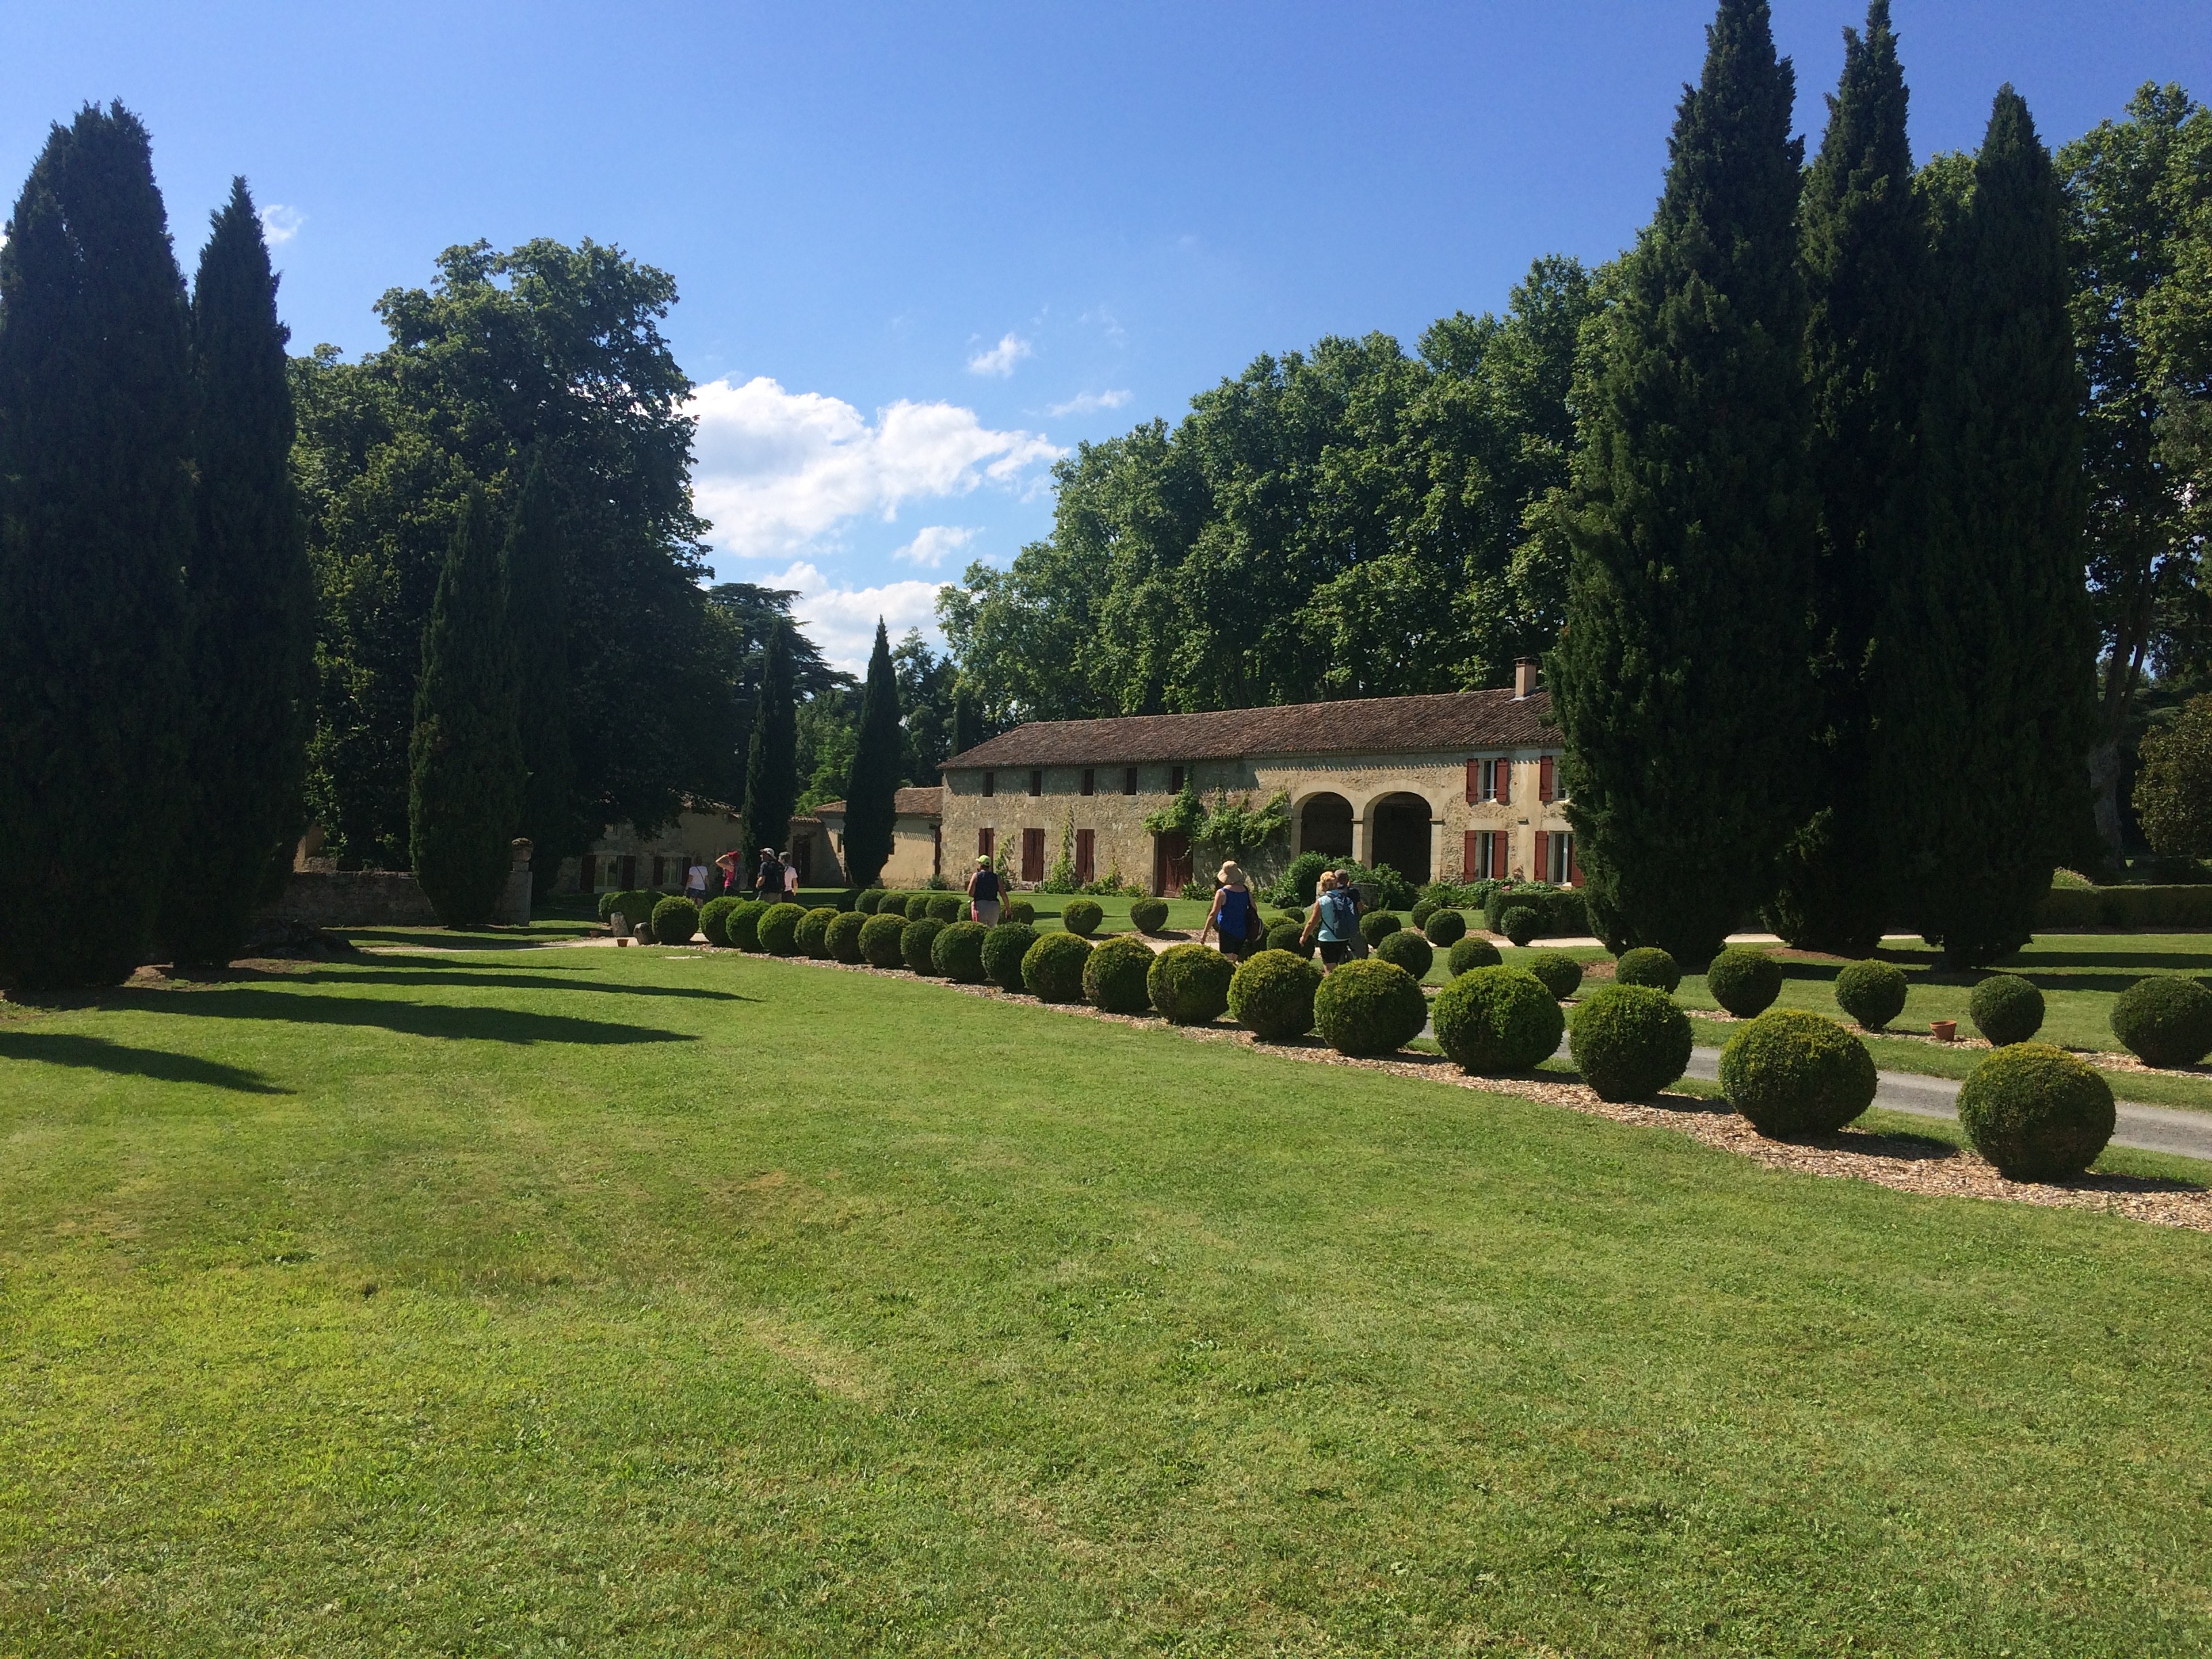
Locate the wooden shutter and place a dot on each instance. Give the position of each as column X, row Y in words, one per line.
column 983, row 840
column 1504, row 782
column 1498, row 851
column 1470, row 857
column 1032, row 855
column 1085, row 855
column 1544, row 779
column 1474, row 783
column 1542, row 871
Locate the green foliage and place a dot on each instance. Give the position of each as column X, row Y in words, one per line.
column 1300, row 879
column 1188, row 983
column 1114, row 975
column 842, row 936
column 946, row 908
column 1559, row 910
column 1496, row 1020
column 1679, row 681
column 1052, row 968
column 893, row 904
column 1148, row 916
column 1793, row 1073
column 1558, row 972
column 674, row 921
column 1286, row 936
column 957, row 954
column 1370, row 1008
column 1424, row 907
column 772, row 753
column 1018, row 910
column 536, row 568
column 1272, row 994
column 812, row 933
column 1743, row 982
column 1648, row 964
column 2165, row 1020
column 917, row 944
column 870, row 900
column 1629, row 1041
column 2173, row 795
column 1444, row 928
column 1378, row 925
column 1005, row 948
column 2036, row 1112
column 1081, row 915
column 2005, row 1009
column 872, row 786
column 779, row 929
column 744, row 925
column 880, row 936
column 1408, row 949
column 608, row 905
column 1871, row 993
column 1520, row 924
column 1470, row 953
column 715, row 920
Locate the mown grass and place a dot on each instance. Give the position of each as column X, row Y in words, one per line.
column 644, row 1302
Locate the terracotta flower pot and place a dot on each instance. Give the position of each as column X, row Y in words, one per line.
column 1944, row 1030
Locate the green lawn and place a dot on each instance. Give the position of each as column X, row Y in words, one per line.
column 661, row 1303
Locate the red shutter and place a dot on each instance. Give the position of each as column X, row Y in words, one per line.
column 1474, row 783
column 1471, row 855
column 1505, row 783
column 1544, row 779
column 1497, row 856
column 1542, row 871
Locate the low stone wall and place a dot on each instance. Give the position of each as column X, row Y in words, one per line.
column 353, row 898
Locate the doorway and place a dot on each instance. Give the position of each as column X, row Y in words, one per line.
column 1399, row 833
column 1170, row 863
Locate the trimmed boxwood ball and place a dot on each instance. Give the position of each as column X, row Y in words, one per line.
column 715, row 920
column 2165, row 1020
column 957, row 953
column 1370, row 1008
column 1629, row 1041
column 674, row 921
column 870, row 900
column 914, row 945
column 880, row 940
column 1648, row 964
column 1019, row 910
column 1745, row 982
column 1409, row 950
column 1446, row 928
column 1494, row 1020
column 744, row 925
column 843, row 938
column 779, row 929
column 2005, row 1009
column 1871, row 993
column 891, row 904
column 2036, row 1112
column 1272, row 994
column 1376, row 925
column 1556, row 971
column 812, row 933
column 1114, row 975
column 1081, row 916
column 1791, row 1074
column 1519, row 923
column 1148, row 916
column 1190, row 983
column 945, row 906
column 1469, row 954
column 1052, row 970
column 607, row 904
column 1286, row 935
column 1004, row 947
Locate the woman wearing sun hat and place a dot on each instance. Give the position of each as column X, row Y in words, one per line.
column 983, row 893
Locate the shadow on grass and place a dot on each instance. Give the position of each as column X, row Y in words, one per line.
column 409, row 1018
column 518, row 939
column 463, row 976
column 99, row 1054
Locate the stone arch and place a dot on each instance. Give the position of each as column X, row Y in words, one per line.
column 1397, row 834
column 1325, row 825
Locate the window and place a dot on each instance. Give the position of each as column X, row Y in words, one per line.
column 1032, row 855
column 1036, row 780
column 1484, row 855
column 1559, row 866
column 1174, row 780
column 1090, row 782
column 657, row 866
column 630, row 871
column 588, row 877
column 1086, row 854
column 1128, row 780
column 990, row 783
column 987, row 844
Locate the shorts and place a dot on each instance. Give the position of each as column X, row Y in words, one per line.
column 985, row 911
column 1333, row 950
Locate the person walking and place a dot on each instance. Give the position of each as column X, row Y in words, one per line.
column 767, row 880
column 695, row 883
column 790, row 880
column 1235, row 914
column 983, row 894
column 728, row 864
column 1335, row 919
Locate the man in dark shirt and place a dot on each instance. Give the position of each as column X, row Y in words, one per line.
column 767, row 880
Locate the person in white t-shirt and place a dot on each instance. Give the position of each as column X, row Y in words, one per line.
column 695, row 883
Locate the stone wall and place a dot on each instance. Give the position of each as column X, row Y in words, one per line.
column 352, row 898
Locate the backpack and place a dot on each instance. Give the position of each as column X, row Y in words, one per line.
column 1338, row 913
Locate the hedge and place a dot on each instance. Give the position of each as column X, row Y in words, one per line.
column 1494, row 1020
column 1081, row 916
column 1629, row 1041
column 1188, row 983
column 1273, row 995
column 914, row 945
column 1470, row 953
column 2005, row 1009
column 1445, row 928
column 744, row 925
column 1004, row 948
column 957, row 955
column 1647, row 964
column 1370, row 1008
column 1114, row 975
column 674, row 921
column 1871, row 993
column 844, row 935
column 880, row 940
column 2036, row 1112
column 1052, row 970
column 715, row 920
column 1744, row 982
column 1409, row 950
column 1376, row 925
column 1560, row 911
column 870, row 902
column 2138, row 909
column 1558, row 972
column 778, row 927
column 2165, row 1020
column 944, row 908
column 1148, row 916
column 1790, row 1073
column 812, row 933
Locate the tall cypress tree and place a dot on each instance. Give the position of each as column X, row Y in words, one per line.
column 537, row 566
column 1985, row 705
column 772, row 757
column 872, row 786
column 464, row 757
column 250, row 608
column 95, row 528
column 1864, row 237
column 1680, row 679
column 966, row 719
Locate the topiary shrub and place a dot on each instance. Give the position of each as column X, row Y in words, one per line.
column 674, row 921
column 1556, row 971
column 1793, row 1073
column 812, row 933
column 634, row 906
column 1629, row 1041
column 1376, row 925
column 844, row 937
column 1272, row 994
column 2165, row 1020
column 1370, row 1008
column 880, row 940
column 715, row 920
column 1190, row 983
column 1018, row 910
column 2036, row 1112
column 2005, row 1009
column 943, row 907
column 1004, row 948
column 1409, row 950
column 1745, row 982
column 1871, row 993
column 1469, row 954
column 1494, row 1020
column 607, row 904
column 779, row 929
column 744, row 925
column 892, row 904
column 914, row 945
column 1424, row 907
column 870, row 902
column 1519, row 923
column 1445, row 929
column 957, row 953
column 1286, row 935
column 1148, row 916
column 1649, row 965
column 1081, row 916
column 1052, row 969
column 1114, row 975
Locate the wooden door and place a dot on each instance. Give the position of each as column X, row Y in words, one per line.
column 1170, row 863
column 1032, row 855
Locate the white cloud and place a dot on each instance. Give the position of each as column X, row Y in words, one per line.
column 1001, row 358
column 933, row 543
column 1086, row 402
column 778, row 470
column 842, row 620
column 280, row 224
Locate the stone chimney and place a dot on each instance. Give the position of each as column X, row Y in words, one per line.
column 1524, row 677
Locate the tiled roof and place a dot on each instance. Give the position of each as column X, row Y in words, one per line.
column 1371, row 726
column 922, row 803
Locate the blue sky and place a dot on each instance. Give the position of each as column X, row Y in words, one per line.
column 922, row 249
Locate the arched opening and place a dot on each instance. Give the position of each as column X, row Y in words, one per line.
column 1325, row 826
column 1398, row 830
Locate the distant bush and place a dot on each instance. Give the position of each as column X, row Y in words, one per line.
column 1370, row 1008
column 1188, row 983
column 1296, row 885
column 812, row 933
column 2036, row 1112
column 1081, row 916
column 880, row 940
column 844, row 937
column 1469, row 954
column 1560, row 911
column 944, row 907
column 715, row 920
column 892, row 904
column 1409, row 950
column 1629, row 1041
column 1148, row 916
column 607, row 904
column 779, row 929
column 1272, row 995
column 744, row 925
column 2005, row 1009
column 1286, row 935
column 2164, row 1021
column 1445, row 928
column 1378, row 925
column 914, row 945
column 1648, row 964
column 1519, row 923
column 958, row 952
column 1052, row 971
column 1871, row 993
column 634, row 904
column 1745, row 982
column 1017, row 909
column 674, row 921
column 1494, row 1020
column 1004, row 948
column 1114, row 975
column 1425, row 907
column 1791, row 1074
column 870, row 902
column 1558, row 972
column 847, row 902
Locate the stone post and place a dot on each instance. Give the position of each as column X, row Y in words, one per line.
column 514, row 903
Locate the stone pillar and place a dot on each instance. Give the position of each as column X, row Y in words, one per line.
column 514, row 903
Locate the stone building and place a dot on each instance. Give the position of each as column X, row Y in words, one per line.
column 622, row 859
column 817, row 842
